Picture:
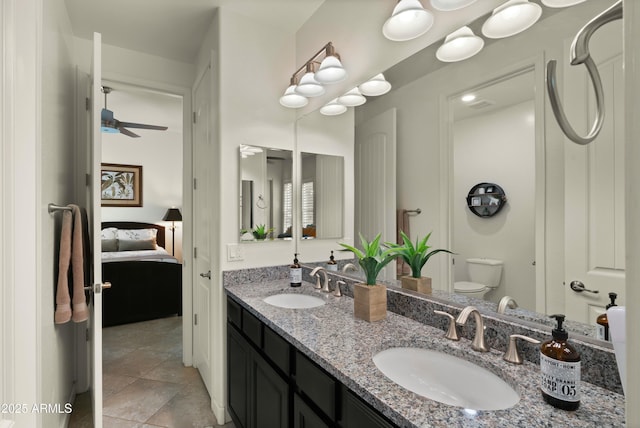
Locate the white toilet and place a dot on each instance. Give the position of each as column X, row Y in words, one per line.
column 484, row 274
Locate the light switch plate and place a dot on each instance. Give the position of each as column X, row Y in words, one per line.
column 234, row 253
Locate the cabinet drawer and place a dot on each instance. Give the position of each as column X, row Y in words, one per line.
column 234, row 313
column 252, row 327
column 316, row 384
column 277, row 350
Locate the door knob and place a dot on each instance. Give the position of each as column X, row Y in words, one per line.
column 206, row 275
column 578, row 287
column 97, row 288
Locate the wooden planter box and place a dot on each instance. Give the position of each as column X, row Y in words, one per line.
column 370, row 302
column 421, row 285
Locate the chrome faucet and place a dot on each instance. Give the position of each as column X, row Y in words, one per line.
column 348, row 267
column 325, row 285
column 478, row 341
column 506, row 302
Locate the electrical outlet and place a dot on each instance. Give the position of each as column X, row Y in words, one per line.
column 234, row 253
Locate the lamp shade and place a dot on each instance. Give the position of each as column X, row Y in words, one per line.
column 292, row 100
column 375, row 86
column 408, row 21
column 459, row 45
column 172, row 214
column 561, row 3
column 332, row 108
column 331, row 71
column 511, row 18
column 353, row 98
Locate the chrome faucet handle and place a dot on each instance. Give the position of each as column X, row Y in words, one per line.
column 337, row 291
column 452, row 332
column 512, row 355
column 478, row 343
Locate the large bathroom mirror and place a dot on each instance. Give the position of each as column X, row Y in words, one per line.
column 321, row 196
column 435, row 140
column 266, row 194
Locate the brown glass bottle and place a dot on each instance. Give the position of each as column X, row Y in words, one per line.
column 560, row 370
column 295, row 272
column 332, row 265
column 603, row 321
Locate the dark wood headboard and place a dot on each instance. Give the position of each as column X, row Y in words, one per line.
column 136, row 225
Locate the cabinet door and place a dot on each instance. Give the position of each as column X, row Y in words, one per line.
column 238, row 357
column 270, row 408
column 305, row 417
column 356, row 413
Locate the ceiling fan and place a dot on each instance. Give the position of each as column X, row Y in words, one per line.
column 110, row 124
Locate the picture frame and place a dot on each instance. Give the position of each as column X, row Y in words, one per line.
column 121, row 185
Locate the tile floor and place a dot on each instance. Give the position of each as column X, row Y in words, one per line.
column 145, row 384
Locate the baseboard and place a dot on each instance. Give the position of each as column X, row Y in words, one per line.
column 220, row 413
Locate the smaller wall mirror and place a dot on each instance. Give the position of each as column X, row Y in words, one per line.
column 321, row 196
column 265, row 193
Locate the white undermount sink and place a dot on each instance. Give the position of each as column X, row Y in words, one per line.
column 294, row 301
column 446, row 379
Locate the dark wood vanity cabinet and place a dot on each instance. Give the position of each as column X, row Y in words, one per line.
column 273, row 385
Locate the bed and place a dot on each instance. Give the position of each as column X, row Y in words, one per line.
column 146, row 281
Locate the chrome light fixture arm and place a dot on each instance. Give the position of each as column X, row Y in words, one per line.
column 580, row 55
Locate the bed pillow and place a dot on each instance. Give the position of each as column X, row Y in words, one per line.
column 136, row 244
column 109, row 233
column 137, row 234
column 109, row 245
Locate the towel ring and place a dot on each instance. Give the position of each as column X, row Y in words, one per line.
column 580, row 55
column 260, row 203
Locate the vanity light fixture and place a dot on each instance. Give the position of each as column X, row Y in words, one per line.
column 353, row 98
column 332, row 108
column 459, row 45
column 311, row 83
column 375, row 86
column 291, row 99
column 448, row 5
column 561, row 3
column 511, row 18
column 408, row 21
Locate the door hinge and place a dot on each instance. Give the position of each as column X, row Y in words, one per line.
column 87, row 103
column 87, row 335
column 195, row 319
column 87, row 178
column 195, row 185
column 194, row 117
column 195, row 252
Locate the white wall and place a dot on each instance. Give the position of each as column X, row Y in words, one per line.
column 497, row 147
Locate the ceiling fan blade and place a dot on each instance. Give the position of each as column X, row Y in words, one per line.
column 126, row 132
column 143, row 126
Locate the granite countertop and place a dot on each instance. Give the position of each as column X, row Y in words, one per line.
column 344, row 346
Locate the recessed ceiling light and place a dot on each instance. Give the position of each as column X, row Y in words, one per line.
column 467, row 98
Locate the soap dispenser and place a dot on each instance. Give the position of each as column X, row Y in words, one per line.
column 603, row 321
column 560, row 370
column 332, row 264
column 295, row 272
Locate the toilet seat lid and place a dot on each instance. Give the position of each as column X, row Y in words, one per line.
column 468, row 287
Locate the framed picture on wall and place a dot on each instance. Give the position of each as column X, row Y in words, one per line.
column 121, row 185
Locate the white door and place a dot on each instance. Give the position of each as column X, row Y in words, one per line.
column 202, row 201
column 594, row 190
column 375, row 183
column 95, row 319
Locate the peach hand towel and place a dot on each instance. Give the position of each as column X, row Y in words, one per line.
column 63, row 299
column 80, row 310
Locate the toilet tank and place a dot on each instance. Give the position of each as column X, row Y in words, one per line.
column 485, row 271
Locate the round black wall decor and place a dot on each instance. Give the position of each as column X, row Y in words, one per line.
column 486, row 199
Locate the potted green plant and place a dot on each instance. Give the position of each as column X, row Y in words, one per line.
column 416, row 257
column 260, row 231
column 370, row 299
